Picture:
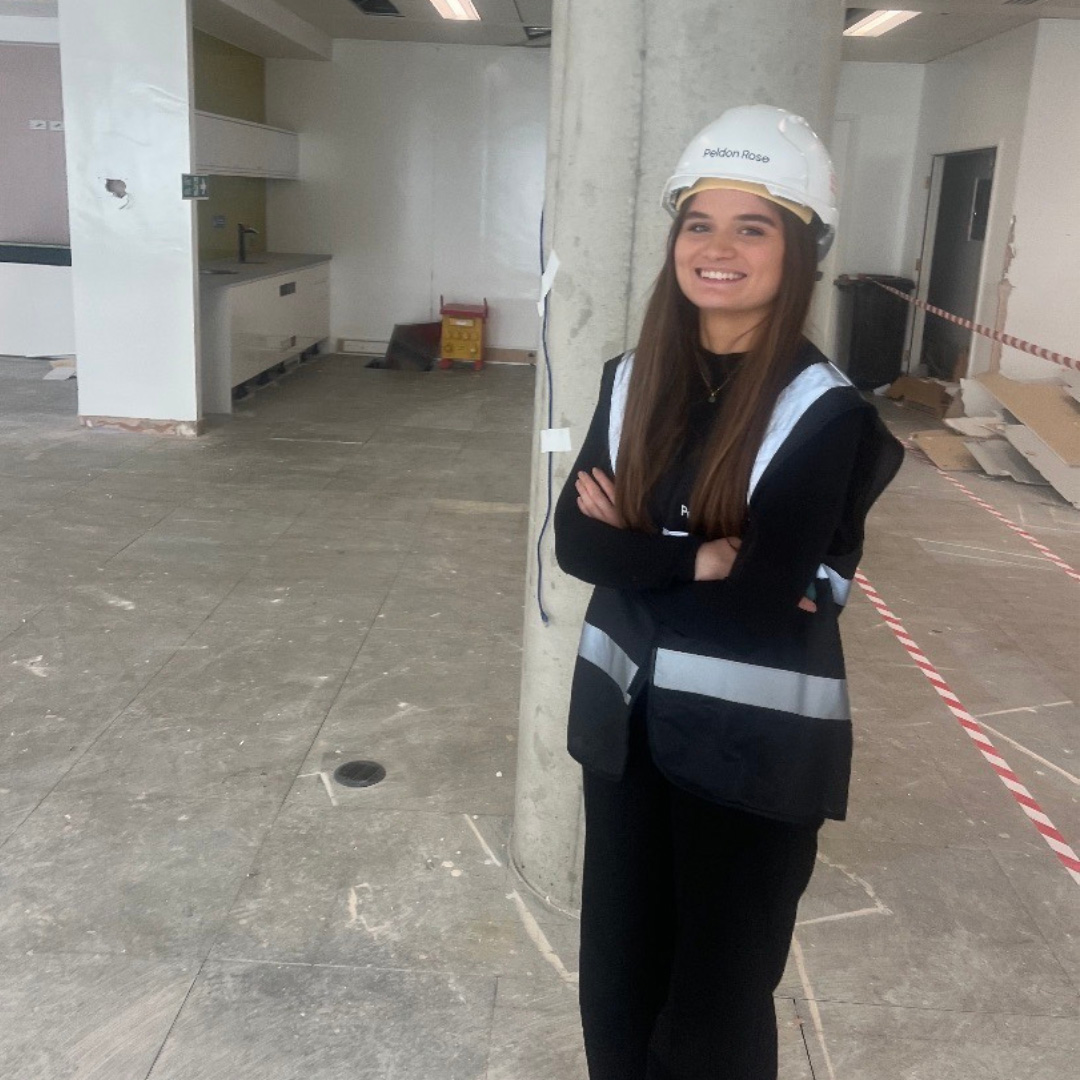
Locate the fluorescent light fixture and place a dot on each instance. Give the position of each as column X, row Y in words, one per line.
column 875, row 24
column 461, row 10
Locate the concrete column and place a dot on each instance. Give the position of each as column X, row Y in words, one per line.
column 632, row 81
column 125, row 70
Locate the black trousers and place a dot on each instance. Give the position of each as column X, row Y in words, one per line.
column 688, row 909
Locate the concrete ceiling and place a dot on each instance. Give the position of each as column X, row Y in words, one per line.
column 502, row 22
column 946, row 26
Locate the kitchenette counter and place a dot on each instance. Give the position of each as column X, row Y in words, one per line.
column 263, row 264
column 273, row 309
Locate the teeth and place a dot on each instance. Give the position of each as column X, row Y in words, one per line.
column 720, row 275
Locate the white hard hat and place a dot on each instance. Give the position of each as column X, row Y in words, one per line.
column 759, row 147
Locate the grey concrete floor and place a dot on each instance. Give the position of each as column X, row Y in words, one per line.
column 194, row 634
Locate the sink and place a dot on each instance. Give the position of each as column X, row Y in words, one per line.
column 214, row 270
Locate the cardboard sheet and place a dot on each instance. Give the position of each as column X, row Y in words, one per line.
column 947, row 451
column 926, row 395
column 1047, row 408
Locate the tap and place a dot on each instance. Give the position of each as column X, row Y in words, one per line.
column 242, row 232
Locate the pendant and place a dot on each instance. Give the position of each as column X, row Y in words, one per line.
column 712, row 396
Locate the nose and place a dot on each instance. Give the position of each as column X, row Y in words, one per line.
column 721, row 244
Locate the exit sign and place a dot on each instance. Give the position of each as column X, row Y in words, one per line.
column 195, row 187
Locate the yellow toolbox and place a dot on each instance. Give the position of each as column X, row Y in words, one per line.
column 462, row 333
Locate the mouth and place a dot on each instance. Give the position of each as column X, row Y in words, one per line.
column 720, row 275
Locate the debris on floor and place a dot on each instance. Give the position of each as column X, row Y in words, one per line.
column 947, row 451
column 1024, row 431
column 931, row 396
column 62, row 367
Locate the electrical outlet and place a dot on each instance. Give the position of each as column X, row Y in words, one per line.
column 39, row 125
column 56, row 125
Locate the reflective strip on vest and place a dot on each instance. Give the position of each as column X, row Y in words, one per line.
column 617, row 410
column 810, row 384
column 600, row 649
column 840, row 585
column 747, row 684
column 793, row 401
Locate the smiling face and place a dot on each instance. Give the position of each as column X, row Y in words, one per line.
column 729, row 257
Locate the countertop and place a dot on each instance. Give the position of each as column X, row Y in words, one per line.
column 37, row 254
column 263, row 264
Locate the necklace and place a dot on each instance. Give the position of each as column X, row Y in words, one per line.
column 714, row 391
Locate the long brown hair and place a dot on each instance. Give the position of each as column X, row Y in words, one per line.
column 666, row 379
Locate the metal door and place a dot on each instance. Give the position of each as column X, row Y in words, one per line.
column 956, row 261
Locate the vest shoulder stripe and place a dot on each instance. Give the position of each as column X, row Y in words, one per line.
column 811, row 696
column 601, row 650
column 619, row 390
column 809, row 385
column 794, row 400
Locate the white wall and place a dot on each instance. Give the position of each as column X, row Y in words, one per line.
column 423, row 173
column 1045, row 303
column 882, row 103
column 36, row 316
column 973, row 99
column 30, row 29
column 127, row 113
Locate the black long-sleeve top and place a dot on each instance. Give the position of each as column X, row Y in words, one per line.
column 792, row 520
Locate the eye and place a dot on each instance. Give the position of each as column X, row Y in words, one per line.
column 752, row 230
column 697, row 227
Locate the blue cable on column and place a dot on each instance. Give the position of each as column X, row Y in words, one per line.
column 550, row 420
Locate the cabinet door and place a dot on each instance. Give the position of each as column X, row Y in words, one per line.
column 212, row 149
column 281, row 151
column 313, row 291
column 228, row 147
column 260, row 333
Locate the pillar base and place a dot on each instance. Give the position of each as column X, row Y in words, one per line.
column 185, row 429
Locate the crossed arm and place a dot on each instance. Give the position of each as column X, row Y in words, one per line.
column 791, row 525
column 713, row 560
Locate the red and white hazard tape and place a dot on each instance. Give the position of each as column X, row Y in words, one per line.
column 985, row 331
column 1040, row 547
column 1057, row 843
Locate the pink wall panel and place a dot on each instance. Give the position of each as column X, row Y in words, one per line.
column 33, row 179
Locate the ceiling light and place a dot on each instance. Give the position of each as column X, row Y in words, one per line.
column 461, row 10
column 880, row 22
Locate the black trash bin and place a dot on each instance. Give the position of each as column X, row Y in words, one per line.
column 876, row 328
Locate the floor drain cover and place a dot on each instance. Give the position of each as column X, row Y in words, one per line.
column 359, row 773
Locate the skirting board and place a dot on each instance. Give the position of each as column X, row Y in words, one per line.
column 185, row 429
column 510, row 356
column 362, row 347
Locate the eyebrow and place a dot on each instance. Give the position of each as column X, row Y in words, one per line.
column 763, row 219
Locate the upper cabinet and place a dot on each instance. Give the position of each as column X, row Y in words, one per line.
column 228, row 147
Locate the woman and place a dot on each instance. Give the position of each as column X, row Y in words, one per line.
column 718, row 506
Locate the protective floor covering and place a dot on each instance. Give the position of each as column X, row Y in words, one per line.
column 194, row 633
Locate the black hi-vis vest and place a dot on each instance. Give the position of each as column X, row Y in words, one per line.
column 763, row 725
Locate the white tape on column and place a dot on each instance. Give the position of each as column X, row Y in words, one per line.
column 555, row 440
column 547, row 280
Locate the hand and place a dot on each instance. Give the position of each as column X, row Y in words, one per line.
column 715, row 558
column 596, row 498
